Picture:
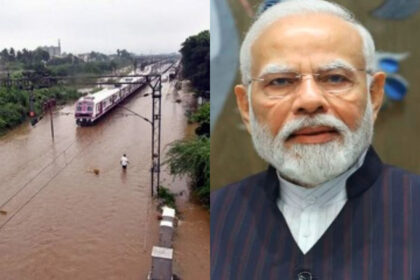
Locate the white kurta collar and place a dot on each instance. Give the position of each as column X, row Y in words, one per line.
column 323, row 194
column 310, row 211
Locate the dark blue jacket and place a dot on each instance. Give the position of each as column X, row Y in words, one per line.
column 375, row 236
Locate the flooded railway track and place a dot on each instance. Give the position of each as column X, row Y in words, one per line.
column 62, row 221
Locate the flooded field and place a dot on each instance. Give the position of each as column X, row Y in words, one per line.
column 60, row 220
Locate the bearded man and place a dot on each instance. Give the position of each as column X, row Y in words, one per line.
column 327, row 207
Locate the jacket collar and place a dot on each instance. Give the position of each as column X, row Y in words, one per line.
column 365, row 176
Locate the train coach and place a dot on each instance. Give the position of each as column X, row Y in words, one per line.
column 91, row 107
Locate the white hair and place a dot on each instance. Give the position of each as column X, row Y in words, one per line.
column 311, row 165
column 296, row 7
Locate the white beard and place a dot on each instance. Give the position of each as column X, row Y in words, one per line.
column 313, row 164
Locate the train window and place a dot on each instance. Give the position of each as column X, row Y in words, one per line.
column 79, row 108
column 89, row 108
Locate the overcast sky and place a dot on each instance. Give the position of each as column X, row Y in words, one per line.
column 139, row 26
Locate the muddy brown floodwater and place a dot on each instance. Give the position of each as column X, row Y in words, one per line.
column 58, row 220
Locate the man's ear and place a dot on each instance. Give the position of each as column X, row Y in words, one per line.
column 243, row 104
column 377, row 92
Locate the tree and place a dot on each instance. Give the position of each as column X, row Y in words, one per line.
column 19, row 55
column 40, row 55
column 196, row 60
column 26, row 56
column 113, row 66
column 202, row 117
column 12, row 54
column 4, row 55
column 192, row 157
column 125, row 54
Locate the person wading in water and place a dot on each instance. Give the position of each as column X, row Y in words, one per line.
column 124, row 161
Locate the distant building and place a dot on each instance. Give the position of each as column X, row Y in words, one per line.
column 84, row 56
column 52, row 50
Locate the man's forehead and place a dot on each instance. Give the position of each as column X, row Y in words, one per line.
column 308, row 37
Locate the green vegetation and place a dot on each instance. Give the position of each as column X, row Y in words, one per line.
column 202, row 117
column 196, row 61
column 39, row 61
column 192, row 157
column 24, row 58
column 166, row 197
column 15, row 103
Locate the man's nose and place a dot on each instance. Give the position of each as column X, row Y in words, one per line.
column 309, row 98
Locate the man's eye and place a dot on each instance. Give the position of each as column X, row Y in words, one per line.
column 281, row 82
column 333, row 79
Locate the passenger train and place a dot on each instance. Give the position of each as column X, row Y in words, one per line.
column 91, row 107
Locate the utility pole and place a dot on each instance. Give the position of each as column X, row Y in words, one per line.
column 156, row 86
column 49, row 105
column 154, row 81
